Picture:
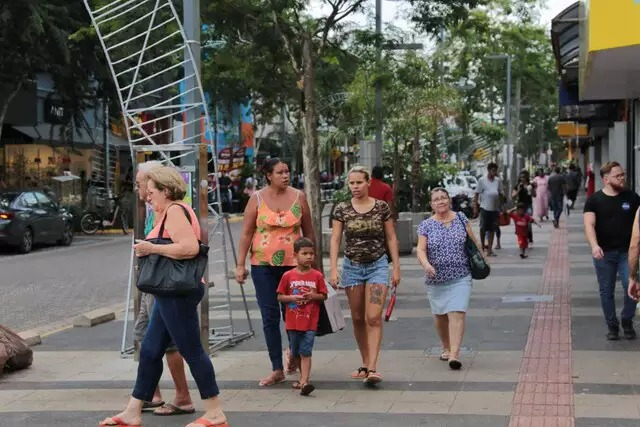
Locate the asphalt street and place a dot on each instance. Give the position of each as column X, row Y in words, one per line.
column 52, row 284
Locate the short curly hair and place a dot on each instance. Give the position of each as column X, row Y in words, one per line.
column 168, row 178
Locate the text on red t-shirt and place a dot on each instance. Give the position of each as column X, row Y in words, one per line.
column 302, row 317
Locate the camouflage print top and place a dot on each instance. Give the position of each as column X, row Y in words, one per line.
column 365, row 237
column 275, row 233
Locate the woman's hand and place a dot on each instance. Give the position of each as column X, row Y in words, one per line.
column 241, row 274
column 430, row 270
column 143, row 248
column 395, row 275
column 334, row 279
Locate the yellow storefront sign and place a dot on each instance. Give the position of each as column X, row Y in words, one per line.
column 613, row 23
column 572, row 130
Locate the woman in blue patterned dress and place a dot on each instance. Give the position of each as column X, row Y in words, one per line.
column 441, row 252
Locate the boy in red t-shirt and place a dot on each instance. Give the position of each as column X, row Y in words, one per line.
column 302, row 289
column 521, row 220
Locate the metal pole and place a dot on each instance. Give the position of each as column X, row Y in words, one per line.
column 191, row 10
column 377, row 152
column 106, row 132
column 508, row 122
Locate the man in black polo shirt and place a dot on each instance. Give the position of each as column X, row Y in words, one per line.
column 608, row 220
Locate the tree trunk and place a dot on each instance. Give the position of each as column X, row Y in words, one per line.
column 4, row 107
column 433, row 150
column 310, row 146
column 416, row 173
column 396, row 169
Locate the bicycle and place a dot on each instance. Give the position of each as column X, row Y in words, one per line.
column 93, row 221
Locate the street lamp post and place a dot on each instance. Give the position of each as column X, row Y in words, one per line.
column 376, row 157
column 510, row 150
column 377, row 154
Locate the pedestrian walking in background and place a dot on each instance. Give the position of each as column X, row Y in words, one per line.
column 522, row 222
column 487, row 204
column 182, row 403
column 302, row 290
column 370, row 232
column 380, row 190
column 441, row 252
column 541, row 201
column 574, row 180
column 275, row 217
column 174, row 318
column 557, row 192
column 609, row 216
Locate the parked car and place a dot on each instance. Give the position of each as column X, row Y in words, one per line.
column 30, row 217
column 460, row 184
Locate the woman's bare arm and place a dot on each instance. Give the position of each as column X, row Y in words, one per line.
column 248, row 229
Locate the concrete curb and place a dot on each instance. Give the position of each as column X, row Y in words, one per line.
column 31, row 337
column 93, row 318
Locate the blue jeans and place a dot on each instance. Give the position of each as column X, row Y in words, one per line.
column 556, row 204
column 174, row 318
column 613, row 264
column 266, row 279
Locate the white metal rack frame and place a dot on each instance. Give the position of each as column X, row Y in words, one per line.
column 155, row 73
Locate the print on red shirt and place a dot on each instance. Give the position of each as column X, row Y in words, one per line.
column 521, row 223
column 302, row 317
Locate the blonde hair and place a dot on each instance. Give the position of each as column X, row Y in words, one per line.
column 360, row 169
column 148, row 166
column 167, row 178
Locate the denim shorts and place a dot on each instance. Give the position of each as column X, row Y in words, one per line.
column 301, row 342
column 373, row 273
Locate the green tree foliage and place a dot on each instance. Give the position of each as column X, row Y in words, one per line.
column 33, row 38
column 505, row 27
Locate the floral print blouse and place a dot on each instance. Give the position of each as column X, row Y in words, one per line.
column 275, row 233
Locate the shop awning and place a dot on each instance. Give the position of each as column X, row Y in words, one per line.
column 51, row 135
column 565, row 39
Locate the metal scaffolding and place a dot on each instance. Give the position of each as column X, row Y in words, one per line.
column 156, row 74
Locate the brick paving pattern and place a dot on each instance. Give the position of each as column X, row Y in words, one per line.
column 544, row 395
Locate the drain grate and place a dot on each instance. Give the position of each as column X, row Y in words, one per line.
column 437, row 351
column 527, row 298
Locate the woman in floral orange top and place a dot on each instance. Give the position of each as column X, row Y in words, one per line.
column 273, row 219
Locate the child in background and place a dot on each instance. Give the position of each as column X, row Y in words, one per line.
column 302, row 289
column 522, row 220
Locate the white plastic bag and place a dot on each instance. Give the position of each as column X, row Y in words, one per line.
column 334, row 309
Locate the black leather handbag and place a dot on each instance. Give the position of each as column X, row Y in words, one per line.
column 480, row 270
column 161, row 275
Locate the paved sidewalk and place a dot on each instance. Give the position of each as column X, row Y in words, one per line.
column 535, row 355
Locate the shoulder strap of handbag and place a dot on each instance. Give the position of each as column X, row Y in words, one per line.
column 164, row 218
column 462, row 222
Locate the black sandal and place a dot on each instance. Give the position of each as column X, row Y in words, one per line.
column 307, row 389
column 360, row 374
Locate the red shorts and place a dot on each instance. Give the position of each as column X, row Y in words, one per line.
column 523, row 242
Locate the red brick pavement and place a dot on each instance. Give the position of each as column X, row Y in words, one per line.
column 544, row 395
